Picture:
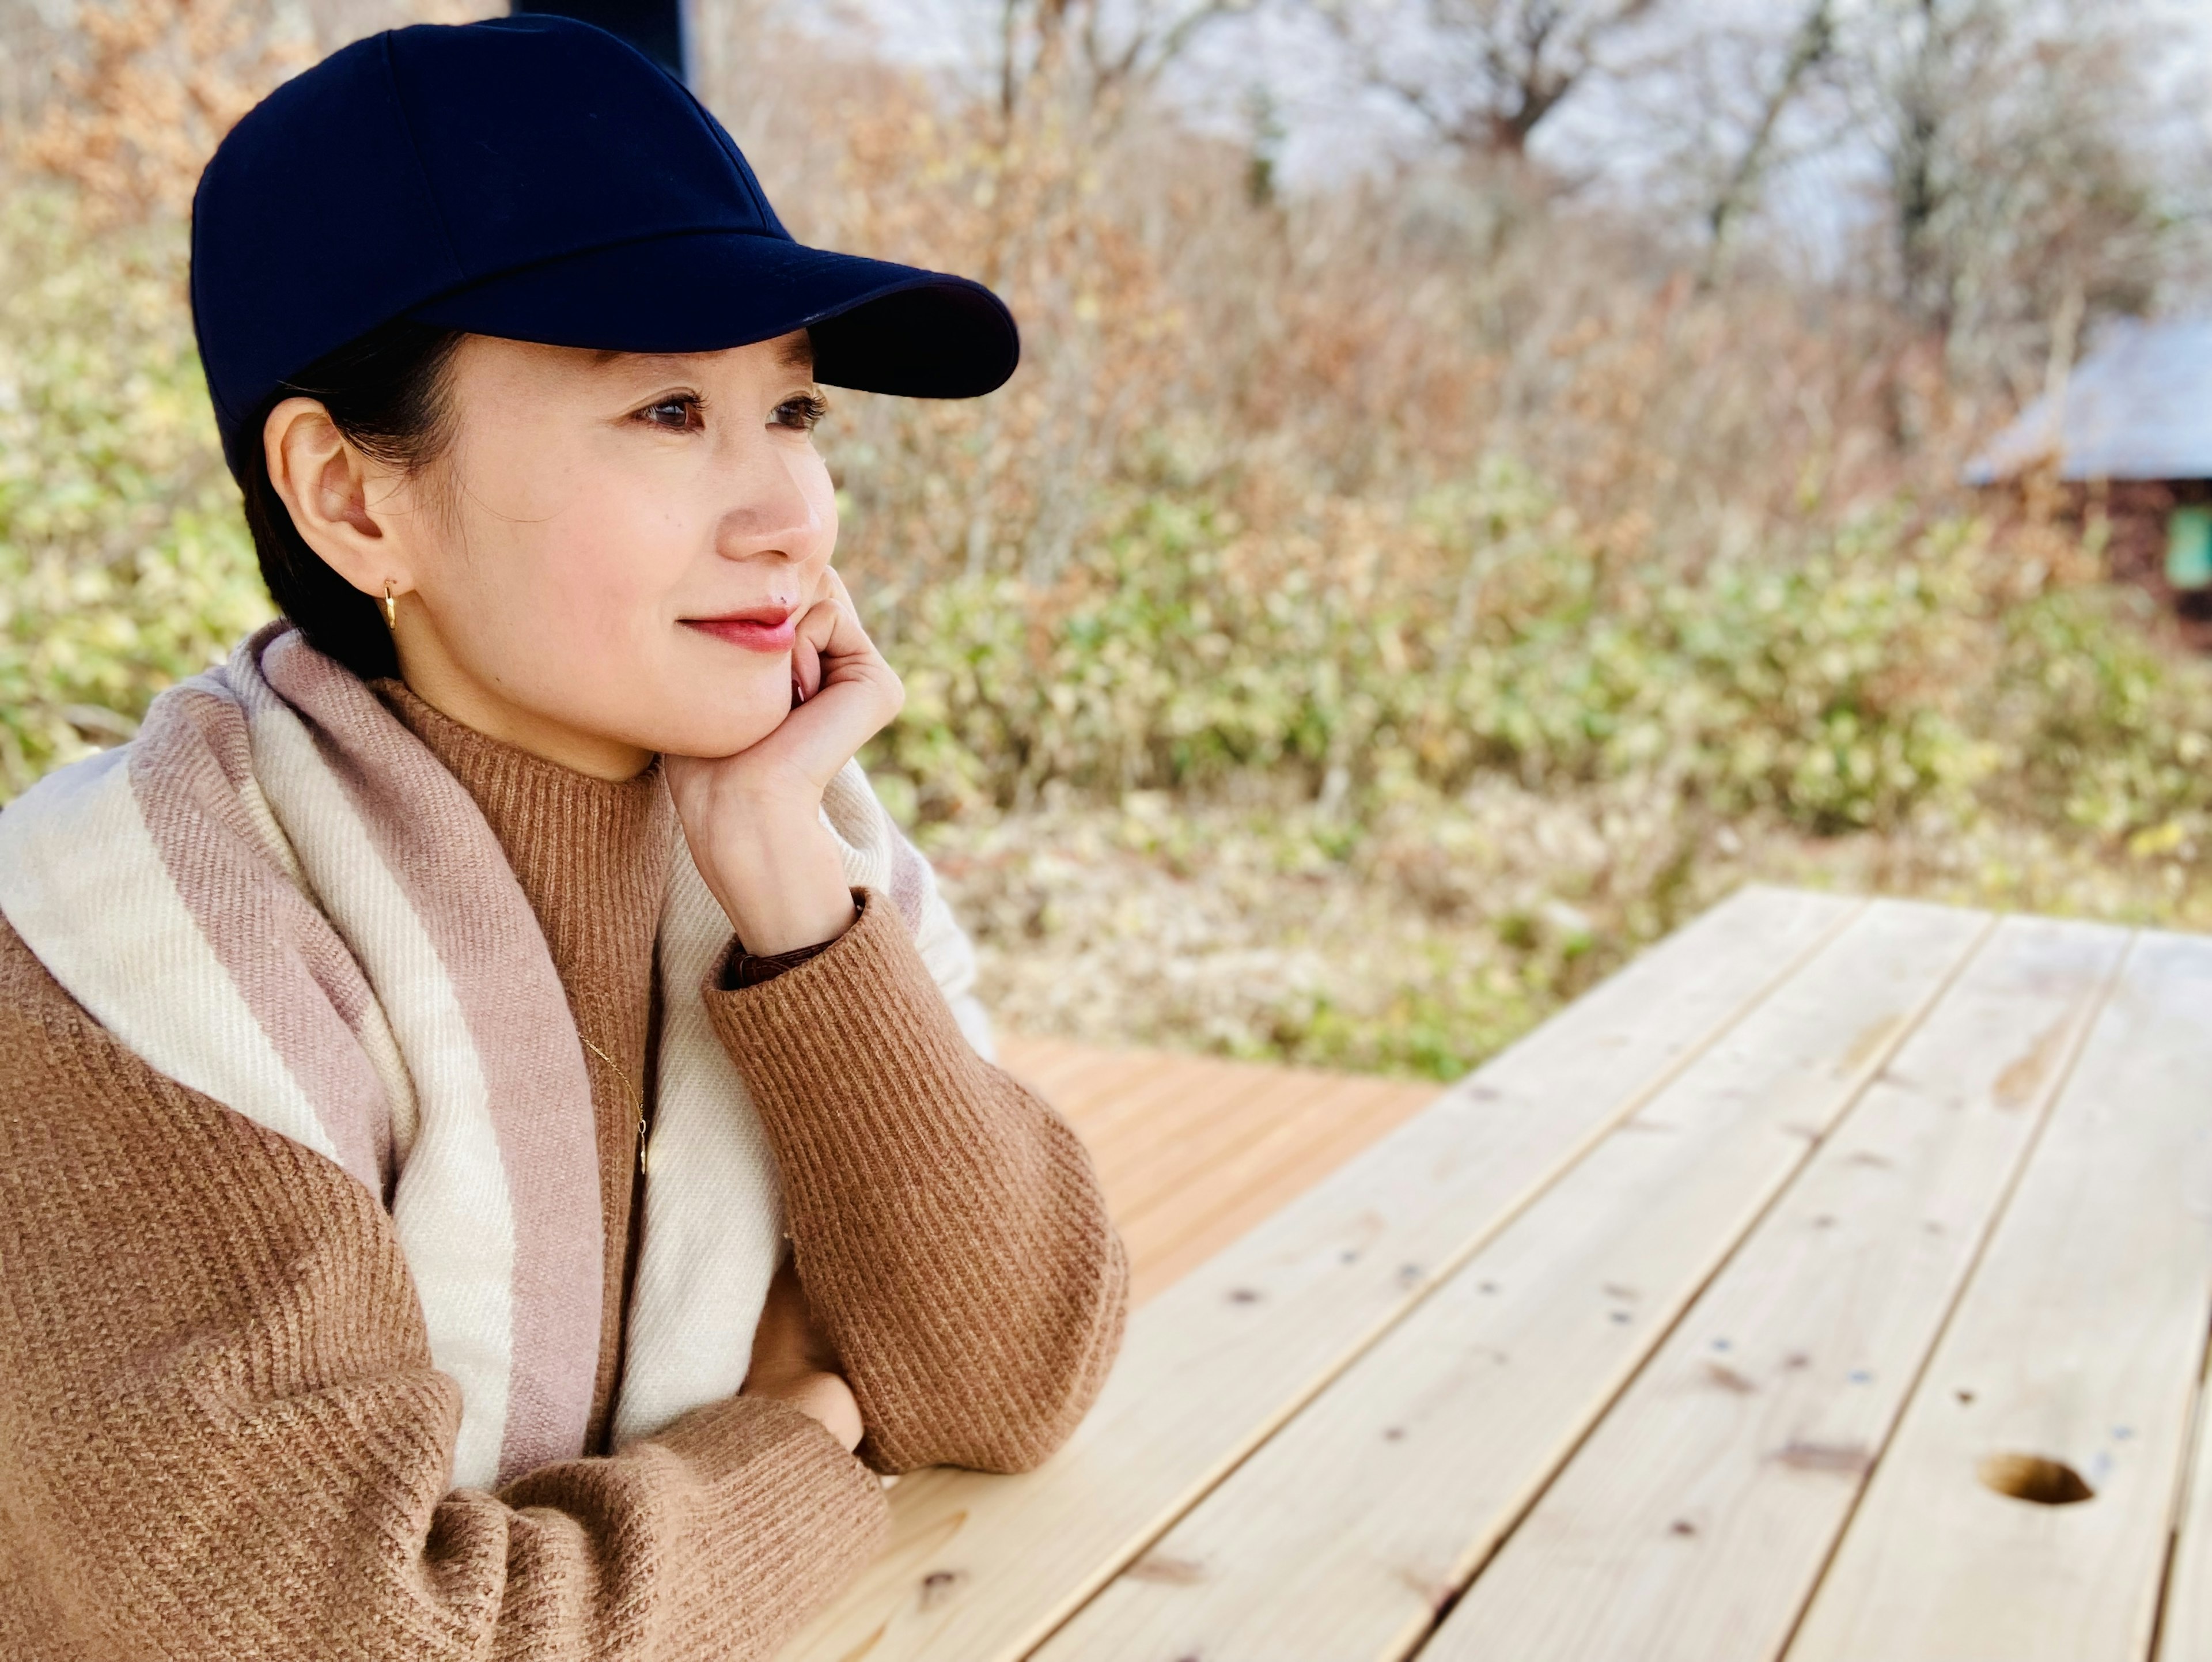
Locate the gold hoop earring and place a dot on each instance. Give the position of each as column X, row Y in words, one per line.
column 390, row 606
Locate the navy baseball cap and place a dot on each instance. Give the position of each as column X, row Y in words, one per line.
column 537, row 178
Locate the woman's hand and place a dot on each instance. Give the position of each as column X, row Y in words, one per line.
column 753, row 819
column 792, row 1362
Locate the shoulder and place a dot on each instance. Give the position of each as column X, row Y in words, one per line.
column 110, row 1172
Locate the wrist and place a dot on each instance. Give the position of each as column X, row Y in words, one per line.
column 781, row 880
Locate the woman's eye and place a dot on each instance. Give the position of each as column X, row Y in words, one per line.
column 677, row 414
column 802, row 413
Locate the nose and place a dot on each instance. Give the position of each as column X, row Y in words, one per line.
column 775, row 509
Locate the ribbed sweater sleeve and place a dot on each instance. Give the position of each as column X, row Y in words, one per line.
column 221, row 1438
column 945, row 1223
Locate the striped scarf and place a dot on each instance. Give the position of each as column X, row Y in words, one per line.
column 277, row 896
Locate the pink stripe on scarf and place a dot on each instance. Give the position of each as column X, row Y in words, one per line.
column 184, row 771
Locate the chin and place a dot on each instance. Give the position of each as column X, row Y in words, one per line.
column 736, row 720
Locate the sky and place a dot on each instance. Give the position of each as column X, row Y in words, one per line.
column 1629, row 137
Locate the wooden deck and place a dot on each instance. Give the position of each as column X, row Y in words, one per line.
column 1192, row 1152
column 1831, row 1285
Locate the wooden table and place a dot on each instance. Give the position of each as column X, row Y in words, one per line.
column 1194, row 1151
column 1834, row 1282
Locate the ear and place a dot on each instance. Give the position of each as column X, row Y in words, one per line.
column 348, row 507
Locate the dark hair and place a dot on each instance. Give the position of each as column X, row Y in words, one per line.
column 386, row 394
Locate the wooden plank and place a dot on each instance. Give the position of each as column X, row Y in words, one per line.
column 1694, row 1522
column 1284, row 1161
column 1083, row 1082
column 1212, row 1147
column 1244, row 1148
column 1180, row 1080
column 2185, row 1625
column 1340, row 1539
column 1200, row 1219
column 981, row 1568
column 1180, row 1150
column 2079, row 1341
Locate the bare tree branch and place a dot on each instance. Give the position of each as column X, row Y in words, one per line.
column 1810, row 46
column 1493, row 69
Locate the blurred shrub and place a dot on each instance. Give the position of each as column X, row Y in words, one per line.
column 2107, row 731
column 1886, row 676
column 123, row 563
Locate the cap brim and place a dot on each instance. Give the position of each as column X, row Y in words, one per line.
column 878, row 327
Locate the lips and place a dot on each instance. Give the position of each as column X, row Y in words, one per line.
column 763, row 629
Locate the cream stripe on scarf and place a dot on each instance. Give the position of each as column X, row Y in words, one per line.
column 276, row 895
column 714, row 1210
column 88, row 851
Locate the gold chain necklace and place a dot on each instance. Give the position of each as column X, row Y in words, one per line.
column 636, row 1102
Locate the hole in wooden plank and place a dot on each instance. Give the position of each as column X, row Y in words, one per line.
column 2034, row 1477
column 937, row 1587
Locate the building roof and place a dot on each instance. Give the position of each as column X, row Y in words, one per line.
column 2139, row 407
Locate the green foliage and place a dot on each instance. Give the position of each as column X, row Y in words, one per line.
column 123, row 564
column 1873, row 681
column 2110, row 732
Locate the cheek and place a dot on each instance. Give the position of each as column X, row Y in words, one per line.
column 830, row 523
column 566, row 581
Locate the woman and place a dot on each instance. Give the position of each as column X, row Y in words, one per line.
column 493, row 1156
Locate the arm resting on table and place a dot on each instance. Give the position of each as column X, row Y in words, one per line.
column 946, row 1223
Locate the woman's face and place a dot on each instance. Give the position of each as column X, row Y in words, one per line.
column 625, row 542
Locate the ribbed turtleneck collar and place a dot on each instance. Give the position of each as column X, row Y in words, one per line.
column 524, row 797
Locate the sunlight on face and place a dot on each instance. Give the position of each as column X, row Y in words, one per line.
column 626, row 536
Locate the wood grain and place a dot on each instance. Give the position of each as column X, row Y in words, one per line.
column 2075, row 1350
column 1179, row 1187
column 982, row 1568
column 1694, row 1523
column 1341, row 1537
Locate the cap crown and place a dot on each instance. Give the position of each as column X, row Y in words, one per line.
column 416, row 162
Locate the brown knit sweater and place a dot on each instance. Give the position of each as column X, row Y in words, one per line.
column 220, row 1434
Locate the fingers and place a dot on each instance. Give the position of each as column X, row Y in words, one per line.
column 829, row 643
column 833, row 627
column 805, row 668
